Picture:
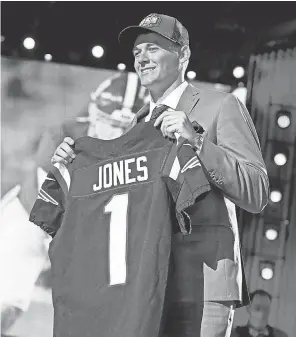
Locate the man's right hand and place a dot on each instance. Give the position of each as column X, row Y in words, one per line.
column 64, row 153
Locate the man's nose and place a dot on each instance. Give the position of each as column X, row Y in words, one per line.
column 143, row 58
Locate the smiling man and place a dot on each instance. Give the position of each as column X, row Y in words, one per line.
column 207, row 279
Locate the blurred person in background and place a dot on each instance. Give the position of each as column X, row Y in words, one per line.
column 111, row 108
column 23, row 256
column 23, row 249
column 258, row 310
column 23, row 246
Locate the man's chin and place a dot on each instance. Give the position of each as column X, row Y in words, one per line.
column 146, row 83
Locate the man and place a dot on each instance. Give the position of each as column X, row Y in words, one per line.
column 229, row 153
column 258, row 311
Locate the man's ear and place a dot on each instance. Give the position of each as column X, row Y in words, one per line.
column 185, row 54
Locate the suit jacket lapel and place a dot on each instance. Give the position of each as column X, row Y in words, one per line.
column 139, row 117
column 187, row 102
column 189, row 99
column 142, row 113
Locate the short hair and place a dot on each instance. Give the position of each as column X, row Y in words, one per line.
column 259, row 292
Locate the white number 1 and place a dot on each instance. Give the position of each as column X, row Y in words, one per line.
column 118, row 207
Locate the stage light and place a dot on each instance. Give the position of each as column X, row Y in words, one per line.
column 238, row 72
column 121, row 66
column 47, row 57
column 29, row 43
column 97, row 51
column 271, row 234
column 267, row 273
column 241, row 94
column 280, row 159
column 191, row 75
column 275, row 196
column 283, row 121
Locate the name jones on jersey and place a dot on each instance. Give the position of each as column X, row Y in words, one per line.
column 126, row 171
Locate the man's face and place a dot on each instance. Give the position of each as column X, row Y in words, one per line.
column 156, row 61
column 259, row 311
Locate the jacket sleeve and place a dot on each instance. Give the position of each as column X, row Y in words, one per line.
column 235, row 164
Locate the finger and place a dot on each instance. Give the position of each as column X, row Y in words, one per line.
column 65, row 147
column 170, row 121
column 68, row 140
column 172, row 130
column 163, row 129
column 160, row 118
column 62, row 154
column 168, row 132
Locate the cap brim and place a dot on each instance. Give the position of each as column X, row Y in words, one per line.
column 127, row 36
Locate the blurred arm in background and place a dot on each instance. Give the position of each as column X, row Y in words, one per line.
column 23, row 256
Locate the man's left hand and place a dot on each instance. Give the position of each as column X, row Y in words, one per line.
column 176, row 122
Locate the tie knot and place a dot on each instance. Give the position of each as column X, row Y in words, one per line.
column 157, row 111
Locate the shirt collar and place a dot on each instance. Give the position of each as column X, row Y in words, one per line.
column 172, row 99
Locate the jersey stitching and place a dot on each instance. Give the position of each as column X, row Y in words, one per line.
column 111, row 189
column 101, row 162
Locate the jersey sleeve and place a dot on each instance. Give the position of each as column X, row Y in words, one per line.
column 49, row 208
column 186, row 180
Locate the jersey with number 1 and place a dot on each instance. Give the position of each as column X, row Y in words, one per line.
column 111, row 215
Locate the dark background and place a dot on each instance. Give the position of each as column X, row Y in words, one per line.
column 222, row 34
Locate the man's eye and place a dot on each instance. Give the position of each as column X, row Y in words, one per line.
column 152, row 48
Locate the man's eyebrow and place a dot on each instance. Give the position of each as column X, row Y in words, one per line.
column 149, row 44
column 152, row 44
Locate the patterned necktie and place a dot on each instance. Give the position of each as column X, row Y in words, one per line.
column 157, row 111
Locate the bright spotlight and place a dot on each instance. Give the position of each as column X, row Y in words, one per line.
column 280, row 159
column 267, row 273
column 275, row 196
column 97, row 51
column 191, row 75
column 47, row 57
column 29, row 43
column 271, row 234
column 241, row 94
column 238, row 72
column 121, row 66
column 283, row 121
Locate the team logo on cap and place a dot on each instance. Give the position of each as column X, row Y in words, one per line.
column 151, row 20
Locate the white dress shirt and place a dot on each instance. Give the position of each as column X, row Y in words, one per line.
column 171, row 100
